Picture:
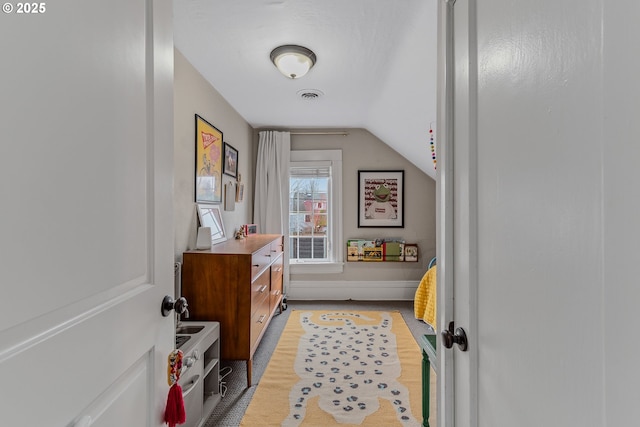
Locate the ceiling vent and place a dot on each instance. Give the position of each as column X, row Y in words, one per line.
column 310, row 94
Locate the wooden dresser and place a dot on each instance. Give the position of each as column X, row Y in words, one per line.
column 239, row 284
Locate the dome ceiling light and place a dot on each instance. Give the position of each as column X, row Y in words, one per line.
column 292, row 60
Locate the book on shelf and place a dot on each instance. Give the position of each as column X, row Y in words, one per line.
column 372, row 253
column 411, row 252
column 393, row 251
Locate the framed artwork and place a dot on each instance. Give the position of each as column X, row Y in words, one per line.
column 230, row 161
column 208, row 162
column 209, row 216
column 381, row 199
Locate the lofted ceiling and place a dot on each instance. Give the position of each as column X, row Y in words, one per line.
column 376, row 66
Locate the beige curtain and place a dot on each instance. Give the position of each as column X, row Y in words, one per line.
column 272, row 182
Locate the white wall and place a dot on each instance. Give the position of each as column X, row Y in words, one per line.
column 194, row 95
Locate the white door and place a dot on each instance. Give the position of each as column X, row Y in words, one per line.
column 538, row 240
column 86, row 247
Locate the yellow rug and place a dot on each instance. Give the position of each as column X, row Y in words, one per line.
column 337, row 367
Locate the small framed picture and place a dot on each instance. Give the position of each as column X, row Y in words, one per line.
column 239, row 192
column 230, row 163
column 410, row 252
column 250, row 229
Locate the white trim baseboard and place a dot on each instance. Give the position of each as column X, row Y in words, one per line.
column 403, row 290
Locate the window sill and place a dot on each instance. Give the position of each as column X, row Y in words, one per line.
column 316, row 267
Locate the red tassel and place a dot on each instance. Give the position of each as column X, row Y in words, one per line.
column 174, row 413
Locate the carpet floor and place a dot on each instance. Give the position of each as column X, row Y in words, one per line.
column 237, row 396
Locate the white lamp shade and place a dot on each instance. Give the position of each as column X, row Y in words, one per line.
column 293, row 61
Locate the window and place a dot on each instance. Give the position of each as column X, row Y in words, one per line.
column 315, row 211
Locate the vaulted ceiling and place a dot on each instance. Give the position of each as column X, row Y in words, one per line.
column 376, row 66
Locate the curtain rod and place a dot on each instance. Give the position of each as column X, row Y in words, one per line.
column 319, row 133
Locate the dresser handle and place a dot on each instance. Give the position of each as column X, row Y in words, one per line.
column 277, row 292
column 256, row 265
column 261, row 319
column 263, row 288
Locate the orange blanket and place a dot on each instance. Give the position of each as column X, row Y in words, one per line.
column 424, row 302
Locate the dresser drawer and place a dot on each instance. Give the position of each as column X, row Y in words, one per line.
column 260, row 260
column 259, row 290
column 277, row 247
column 259, row 319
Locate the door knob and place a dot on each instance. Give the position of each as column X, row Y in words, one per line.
column 180, row 306
column 449, row 337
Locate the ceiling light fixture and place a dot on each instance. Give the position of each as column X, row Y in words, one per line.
column 292, row 60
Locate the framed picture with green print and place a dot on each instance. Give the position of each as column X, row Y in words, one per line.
column 381, row 199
